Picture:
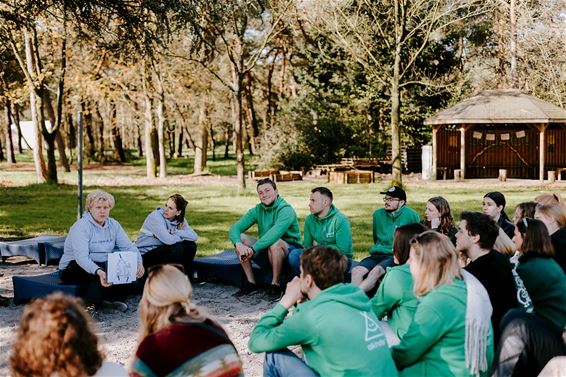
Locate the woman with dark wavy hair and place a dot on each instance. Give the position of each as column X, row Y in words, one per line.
column 532, row 335
column 166, row 236
column 439, row 217
column 55, row 339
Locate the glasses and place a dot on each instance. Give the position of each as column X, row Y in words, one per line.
column 386, row 199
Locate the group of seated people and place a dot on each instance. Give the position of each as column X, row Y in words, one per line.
column 486, row 297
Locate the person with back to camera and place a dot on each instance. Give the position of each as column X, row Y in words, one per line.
column 325, row 226
column 533, row 335
column 450, row 334
column 332, row 322
column 493, row 205
column 166, row 236
column 476, row 239
column 439, row 217
column 554, row 217
column 87, row 246
column 279, row 234
column 394, row 297
column 394, row 214
column 178, row 338
column 55, row 339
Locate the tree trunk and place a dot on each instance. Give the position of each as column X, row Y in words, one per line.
column 227, row 142
column 9, row 142
column 160, row 123
column 139, row 141
column 213, row 142
column 49, row 140
column 72, row 132
column 252, row 118
column 178, row 141
column 151, row 169
column 116, row 136
column 237, row 118
column 1, row 151
column 397, row 178
column 58, row 137
column 201, row 146
column 90, row 149
column 16, row 115
column 100, row 123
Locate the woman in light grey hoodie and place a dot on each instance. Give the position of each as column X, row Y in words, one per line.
column 85, row 256
column 166, row 237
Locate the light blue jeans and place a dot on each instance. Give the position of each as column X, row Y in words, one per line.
column 285, row 363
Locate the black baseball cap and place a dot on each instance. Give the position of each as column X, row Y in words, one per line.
column 395, row 192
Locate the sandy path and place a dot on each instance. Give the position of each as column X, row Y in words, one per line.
column 118, row 331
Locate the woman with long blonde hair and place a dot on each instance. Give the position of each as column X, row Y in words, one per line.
column 450, row 334
column 176, row 336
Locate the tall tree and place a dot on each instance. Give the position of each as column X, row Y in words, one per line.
column 388, row 39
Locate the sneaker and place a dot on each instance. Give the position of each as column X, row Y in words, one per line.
column 274, row 290
column 115, row 305
column 246, row 290
column 92, row 311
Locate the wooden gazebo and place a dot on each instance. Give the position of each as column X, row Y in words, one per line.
column 499, row 129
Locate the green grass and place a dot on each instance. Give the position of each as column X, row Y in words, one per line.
column 35, row 209
column 134, row 168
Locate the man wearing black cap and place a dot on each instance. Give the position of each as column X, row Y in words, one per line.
column 385, row 220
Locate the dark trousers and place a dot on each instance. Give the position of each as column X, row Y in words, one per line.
column 527, row 343
column 89, row 285
column 182, row 253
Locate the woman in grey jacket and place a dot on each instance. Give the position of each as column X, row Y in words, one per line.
column 85, row 255
column 166, row 237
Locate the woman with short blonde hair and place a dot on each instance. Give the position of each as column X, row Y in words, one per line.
column 450, row 334
column 85, row 254
column 172, row 325
column 99, row 196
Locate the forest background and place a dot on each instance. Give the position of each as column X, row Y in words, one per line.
column 296, row 82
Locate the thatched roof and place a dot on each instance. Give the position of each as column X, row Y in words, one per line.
column 500, row 106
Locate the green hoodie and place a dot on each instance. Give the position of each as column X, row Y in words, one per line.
column 384, row 225
column 339, row 334
column 333, row 230
column 277, row 221
column 434, row 344
column 395, row 298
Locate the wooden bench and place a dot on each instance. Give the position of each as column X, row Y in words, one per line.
column 351, row 176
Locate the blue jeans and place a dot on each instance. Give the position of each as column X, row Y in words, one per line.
column 284, row 363
column 294, row 259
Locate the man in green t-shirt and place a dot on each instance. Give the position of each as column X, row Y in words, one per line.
column 332, row 322
column 278, row 231
column 394, row 214
column 325, row 226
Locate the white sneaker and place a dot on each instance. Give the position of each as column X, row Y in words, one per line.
column 115, row 305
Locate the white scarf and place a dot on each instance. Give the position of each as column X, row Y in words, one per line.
column 478, row 318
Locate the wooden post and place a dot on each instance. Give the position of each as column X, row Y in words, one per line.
column 541, row 150
column 463, row 151
column 435, row 129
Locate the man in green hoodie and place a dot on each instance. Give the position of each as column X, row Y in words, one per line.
column 333, row 322
column 325, row 226
column 394, row 214
column 278, row 231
